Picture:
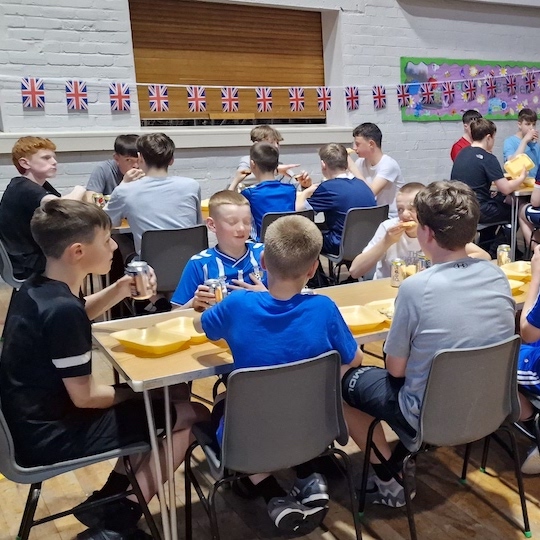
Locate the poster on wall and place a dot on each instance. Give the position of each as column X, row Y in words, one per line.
column 442, row 89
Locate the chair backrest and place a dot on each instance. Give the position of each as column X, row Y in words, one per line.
column 8, row 465
column 470, row 393
column 6, row 269
column 280, row 416
column 270, row 217
column 168, row 251
column 360, row 226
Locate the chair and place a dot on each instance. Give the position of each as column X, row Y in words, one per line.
column 36, row 475
column 270, row 217
column 275, row 417
column 6, row 269
column 359, row 228
column 168, row 251
column 470, row 394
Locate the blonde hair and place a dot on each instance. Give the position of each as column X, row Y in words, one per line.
column 265, row 133
column 411, row 187
column 26, row 147
column 226, row 196
column 291, row 245
column 335, row 156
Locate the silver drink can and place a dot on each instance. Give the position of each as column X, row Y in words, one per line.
column 218, row 288
column 397, row 273
column 140, row 272
column 503, row 254
column 422, row 263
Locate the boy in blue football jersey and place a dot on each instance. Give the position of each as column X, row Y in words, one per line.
column 234, row 260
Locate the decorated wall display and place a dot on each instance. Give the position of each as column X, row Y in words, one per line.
column 441, row 89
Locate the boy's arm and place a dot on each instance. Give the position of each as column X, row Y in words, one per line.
column 355, row 362
column 509, row 152
column 76, row 194
column 98, row 303
column 302, row 196
column 85, row 393
column 353, row 169
column 506, row 187
column 396, row 365
column 531, row 332
column 476, row 252
column 240, row 175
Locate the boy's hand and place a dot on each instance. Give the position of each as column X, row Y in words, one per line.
column 257, row 284
column 531, row 135
column 393, row 234
column 241, row 174
column 304, row 179
column 535, row 261
column 284, row 169
column 132, row 175
column 125, row 283
column 203, row 298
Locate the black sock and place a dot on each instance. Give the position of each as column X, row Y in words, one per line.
column 382, row 471
column 398, row 454
column 269, row 488
column 116, row 483
column 303, row 470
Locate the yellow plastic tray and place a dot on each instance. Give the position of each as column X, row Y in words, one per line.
column 515, row 165
column 384, row 307
column 410, row 270
column 184, row 327
column 528, row 182
column 515, row 285
column 151, row 341
column 361, row 318
column 520, row 270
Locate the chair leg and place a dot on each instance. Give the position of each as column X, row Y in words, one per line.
column 187, row 483
column 212, row 508
column 365, row 472
column 27, row 521
column 485, row 452
column 408, row 499
column 463, row 478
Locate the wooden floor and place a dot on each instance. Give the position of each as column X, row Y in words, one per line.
column 486, row 508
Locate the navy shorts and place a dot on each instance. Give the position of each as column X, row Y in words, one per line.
column 374, row 391
column 532, row 214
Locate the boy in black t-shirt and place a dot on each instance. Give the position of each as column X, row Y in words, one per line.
column 53, row 406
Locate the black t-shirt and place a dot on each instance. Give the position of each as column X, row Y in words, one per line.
column 20, row 200
column 478, row 169
column 48, row 338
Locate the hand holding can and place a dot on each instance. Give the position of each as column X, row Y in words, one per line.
column 140, row 272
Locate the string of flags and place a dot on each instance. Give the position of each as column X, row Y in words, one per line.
column 33, row 94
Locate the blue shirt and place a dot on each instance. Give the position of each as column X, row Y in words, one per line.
column 532, row 150
column 213, row 264
column 269, row 196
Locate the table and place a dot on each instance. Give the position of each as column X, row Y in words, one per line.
column 522, row 192
column 123, row 228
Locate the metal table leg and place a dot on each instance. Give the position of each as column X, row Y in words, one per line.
column 170, row 464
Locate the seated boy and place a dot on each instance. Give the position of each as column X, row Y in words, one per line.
column 466, row 140
column 35, row 159
column 279, row 334
column 430, row 315
column 55, row 410
column 396, row 238
column 234, row 260
column 269, row 195
column 336, row 196
column 525, row 141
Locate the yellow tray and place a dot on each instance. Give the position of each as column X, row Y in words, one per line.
column 361, row 318
column 528, row 182
column 515, row 165
column 184, row 327
column 410, row 270
column 384, row 307
column 515, row 285
column 520, row 270
column 150, row 341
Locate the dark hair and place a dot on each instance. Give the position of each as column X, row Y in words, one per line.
column 334, row 156
column 62, row 222
column 370, row 132
column 126, row 145
column 157, row 150
column 266, row 133
column 528, row 115
column 481, row 128
column 265, row 156
column 470, row 115
column 451, row 210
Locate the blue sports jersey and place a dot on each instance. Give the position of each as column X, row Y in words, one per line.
column 214, row 264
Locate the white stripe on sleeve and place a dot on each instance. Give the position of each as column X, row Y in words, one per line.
column 72, row 361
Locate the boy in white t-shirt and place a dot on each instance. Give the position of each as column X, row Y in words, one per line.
column 396, row 238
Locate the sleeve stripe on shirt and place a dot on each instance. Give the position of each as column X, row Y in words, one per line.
column 72, row 361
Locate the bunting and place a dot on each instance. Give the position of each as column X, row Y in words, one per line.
column 33, row 93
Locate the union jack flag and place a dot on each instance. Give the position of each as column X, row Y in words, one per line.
column 158, row 97
column 448, row 92
column 530, row 82
column 491, row 87
column 403, row 95
column 324, row 98
column 76, row 96
column 196, row 96
column 264, row 99
column 511, row 85
column 33, row 93
column 119, row 97
column 352, row 98
column 469, row 89
column 229, row 99
column 379, row 97
column 427, row 93
column 296, row 99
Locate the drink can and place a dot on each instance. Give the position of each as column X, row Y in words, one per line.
column 397, row 273
column 503, row 254
column 106, row 199
column 98, row 199
column 140, row 272
column 218, row 287
column 422, row 262
column 308, row 291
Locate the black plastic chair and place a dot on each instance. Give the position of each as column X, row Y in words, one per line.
column 270, row 217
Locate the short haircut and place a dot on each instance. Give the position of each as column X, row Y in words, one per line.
column 291, row 245
column 265, row 133
column 411, row 187
column 157, row 149
column 470, row 115
column 225, row 197
column 265, row 156
column 335, row 156
column 481, row 128
column 62, row 222
column 370, row 132
column 26, row 147
column 450, row 210
column 527, row 115
column 126, row 145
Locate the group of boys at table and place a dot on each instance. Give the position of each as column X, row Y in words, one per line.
column 47, row 349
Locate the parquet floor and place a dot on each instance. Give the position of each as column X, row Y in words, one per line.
column 486, row 508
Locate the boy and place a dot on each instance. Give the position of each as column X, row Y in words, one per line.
column 335, row 196
column 429, row 316
column 234, row 259
column 158, row 200
column 123, row 167
column 381, row 172
column 525, row 141
column 269, row 195
column 55, row 410
column 466, row 140
column 279, row 334
column 397, row 238
column 35, row 159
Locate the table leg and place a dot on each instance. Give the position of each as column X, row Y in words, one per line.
column 513, row 232
column 170, row 464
